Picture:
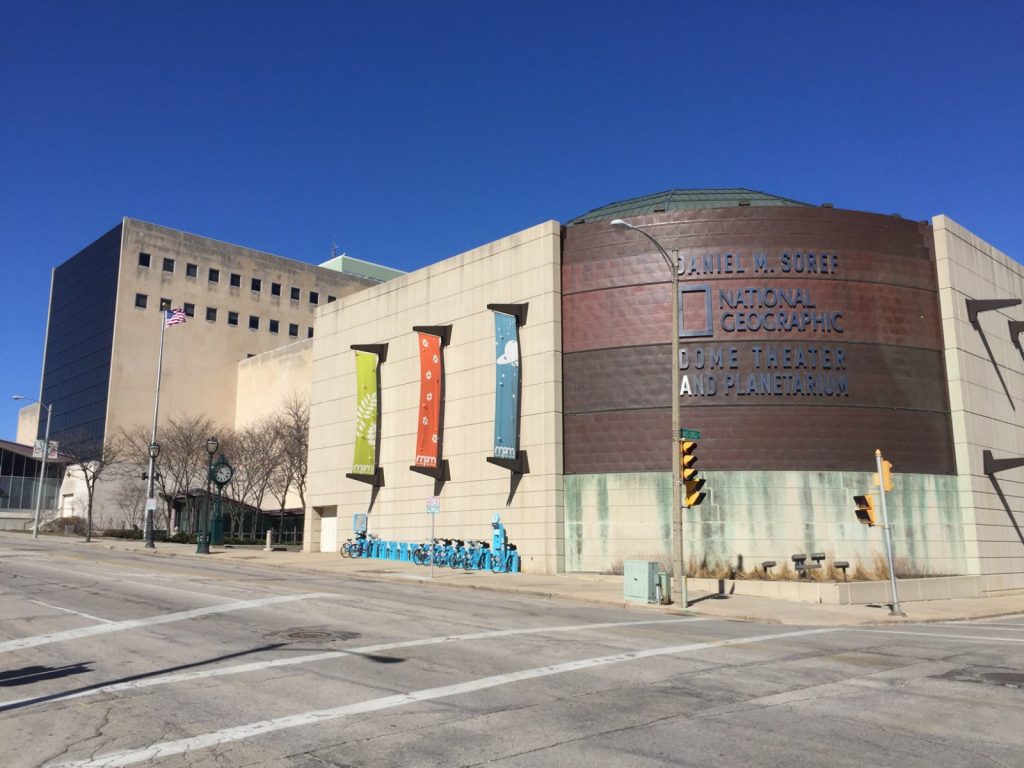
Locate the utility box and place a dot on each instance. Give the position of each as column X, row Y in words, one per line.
column 640, row 581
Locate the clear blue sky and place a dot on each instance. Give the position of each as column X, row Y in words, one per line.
column 409, row 132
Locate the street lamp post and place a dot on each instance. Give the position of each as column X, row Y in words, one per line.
column 678, row 552
column 203, row 537
column 154, row 451
column 42, row 468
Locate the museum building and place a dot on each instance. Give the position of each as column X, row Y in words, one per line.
column 809, row 337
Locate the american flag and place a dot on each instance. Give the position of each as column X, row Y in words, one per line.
column 173, row 317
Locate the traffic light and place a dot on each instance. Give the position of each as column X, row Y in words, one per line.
column 865, row 509
column 692, row 485
column 886, row 475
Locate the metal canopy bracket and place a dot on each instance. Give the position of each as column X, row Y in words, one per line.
column 992, row 466
column 974, row 306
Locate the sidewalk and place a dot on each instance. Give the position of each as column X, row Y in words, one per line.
column 588, row 588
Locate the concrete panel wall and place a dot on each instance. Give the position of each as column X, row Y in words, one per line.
column 201, row 357
column 28, row 424
column 266, row 381
column 750, row 517
column 986, row 393
column 521, row 268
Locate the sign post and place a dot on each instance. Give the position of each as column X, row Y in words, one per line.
column 882, row 475
column 433, row 509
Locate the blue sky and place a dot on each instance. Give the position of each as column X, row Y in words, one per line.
column 409, row 132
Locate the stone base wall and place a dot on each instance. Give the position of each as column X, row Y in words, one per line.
column 749, row 517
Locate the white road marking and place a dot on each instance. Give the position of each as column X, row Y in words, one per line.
column 939, row 635
column 249, row 730
column 120, row 626
column 257, row 666
column 68, row 610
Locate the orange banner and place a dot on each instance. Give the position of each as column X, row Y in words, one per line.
column 428, row 433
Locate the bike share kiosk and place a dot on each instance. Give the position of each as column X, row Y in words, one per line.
column 504, row 558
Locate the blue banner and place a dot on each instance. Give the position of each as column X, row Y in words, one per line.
column 506, row 387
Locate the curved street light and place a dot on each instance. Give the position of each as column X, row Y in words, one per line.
column 678, row 553
column 42, row 468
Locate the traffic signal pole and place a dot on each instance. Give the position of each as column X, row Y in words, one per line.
column 895, row 607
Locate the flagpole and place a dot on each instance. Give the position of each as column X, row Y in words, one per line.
column 154, row 449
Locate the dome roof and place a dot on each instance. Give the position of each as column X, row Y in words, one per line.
column 683, row 200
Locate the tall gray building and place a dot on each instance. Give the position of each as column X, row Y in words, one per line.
column 103, row 334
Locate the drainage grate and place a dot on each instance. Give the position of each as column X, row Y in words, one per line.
column 317, row 634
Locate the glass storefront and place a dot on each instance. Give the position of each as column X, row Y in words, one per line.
column 19, row 478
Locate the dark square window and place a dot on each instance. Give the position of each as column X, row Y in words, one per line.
column 236, row 280
column 314, row 297
column 274, row 326
column 191, row 270
column 143, row 259
column 293, row 329
column 295, row 294
column 214, row 275
column 275, row 289
column 257, row 284
column 140, row 300
column 165, row 304
column 232, row 318
column 331, row 298
column 168, row 265
column 190, row 310
column 309, row 333
column 211, row 314
column 254, row 322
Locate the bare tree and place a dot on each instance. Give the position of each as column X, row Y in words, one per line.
column 282, row 476
column 92, row 461
column 131, row 497
column 181, row 464
column 255, row 454
column 293, row 420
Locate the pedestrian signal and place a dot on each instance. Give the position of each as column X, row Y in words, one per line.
column 886, row 476
column 865, row 509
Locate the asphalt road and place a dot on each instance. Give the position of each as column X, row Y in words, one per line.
column 115, row 659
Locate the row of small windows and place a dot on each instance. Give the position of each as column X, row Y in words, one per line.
column 274, row 326
column 234, row 279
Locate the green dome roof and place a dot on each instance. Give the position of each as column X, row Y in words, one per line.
column 683, row 200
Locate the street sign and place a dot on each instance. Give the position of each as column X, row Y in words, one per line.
column 689, row 434
column 151, row 505
column 433, row 505
column 37, row 449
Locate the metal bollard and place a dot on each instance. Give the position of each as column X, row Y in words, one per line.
column 665, row 587
column 270, row 541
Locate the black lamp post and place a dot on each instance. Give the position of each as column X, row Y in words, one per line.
column 154, row 451
column 203, row 537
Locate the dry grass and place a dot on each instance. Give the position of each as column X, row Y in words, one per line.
column 876, row 569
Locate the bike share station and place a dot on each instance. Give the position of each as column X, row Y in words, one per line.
column 499, row 556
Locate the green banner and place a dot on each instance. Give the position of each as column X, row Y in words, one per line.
column 364, row 462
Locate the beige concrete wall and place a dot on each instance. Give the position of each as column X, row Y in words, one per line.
column 201, row 357
column 986, row 391
column 28, row 424
column 266, row 381
column 521, row 268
